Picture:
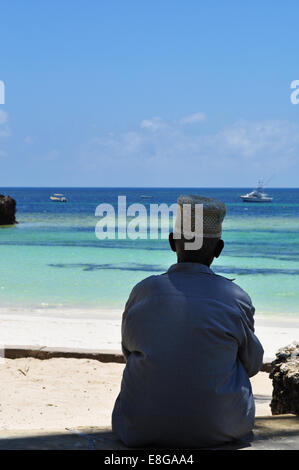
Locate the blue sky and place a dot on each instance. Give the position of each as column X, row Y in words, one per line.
column 148, row 93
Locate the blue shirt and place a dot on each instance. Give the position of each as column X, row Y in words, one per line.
column 190, row 348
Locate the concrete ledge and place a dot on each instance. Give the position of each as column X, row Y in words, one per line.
column 102, row 355
column 15, row 352
column 270, row 433
column 266, row 367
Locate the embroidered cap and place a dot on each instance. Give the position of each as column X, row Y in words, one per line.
column 209, row 211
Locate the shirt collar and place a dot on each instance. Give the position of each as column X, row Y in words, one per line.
column 190, row 268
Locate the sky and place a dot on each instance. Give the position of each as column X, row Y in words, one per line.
column 150, row 93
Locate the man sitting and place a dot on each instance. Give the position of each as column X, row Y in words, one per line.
column 189, row 343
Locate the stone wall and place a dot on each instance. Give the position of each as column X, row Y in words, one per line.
column 285, row 377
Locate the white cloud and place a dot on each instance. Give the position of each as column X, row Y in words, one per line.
column 251, row 138
column 28, row 139
column 256, row 148
column 193, row 118
column 154, row 124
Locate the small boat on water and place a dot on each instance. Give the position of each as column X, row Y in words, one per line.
column 258, row 195
column 58, row 198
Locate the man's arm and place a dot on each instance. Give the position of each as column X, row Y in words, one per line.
column 124, row 349
column 250, row 350
column 130, row 302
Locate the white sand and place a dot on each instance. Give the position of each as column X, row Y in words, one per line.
column 57, row 393
column 64, row 393
column 275, row 333
column 65, row 329
column 101, row 330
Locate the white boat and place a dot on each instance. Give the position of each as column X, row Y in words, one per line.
column 258, row 195
column 58, row 198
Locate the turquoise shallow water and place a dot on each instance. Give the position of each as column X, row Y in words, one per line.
column 53, row 258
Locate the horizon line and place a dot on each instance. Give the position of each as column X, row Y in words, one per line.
column 143, row 187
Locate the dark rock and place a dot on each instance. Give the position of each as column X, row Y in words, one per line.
column 7, row 210
column 285, row 377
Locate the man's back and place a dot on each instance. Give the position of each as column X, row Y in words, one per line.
column 190, row 347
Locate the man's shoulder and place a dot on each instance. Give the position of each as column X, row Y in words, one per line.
column 144, row 289
column 156, row 281
column 235, row 289
column 149, row 282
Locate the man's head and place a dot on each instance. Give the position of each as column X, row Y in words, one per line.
column 211, row 248
column 199, row 219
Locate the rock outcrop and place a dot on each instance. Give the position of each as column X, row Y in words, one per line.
column 285, row 377
column 7, row 210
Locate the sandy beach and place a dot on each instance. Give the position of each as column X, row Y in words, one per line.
column 100, row 330
column 61, row 393
column 68, row 392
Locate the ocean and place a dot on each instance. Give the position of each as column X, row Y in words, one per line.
column 52, row 258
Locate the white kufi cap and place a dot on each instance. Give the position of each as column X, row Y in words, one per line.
column 212, row 214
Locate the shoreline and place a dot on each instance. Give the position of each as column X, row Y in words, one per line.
column 86, row 311
column 101, row 329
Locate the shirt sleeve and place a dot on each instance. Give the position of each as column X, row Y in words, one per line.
column 250, row 351
column 124, row 340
